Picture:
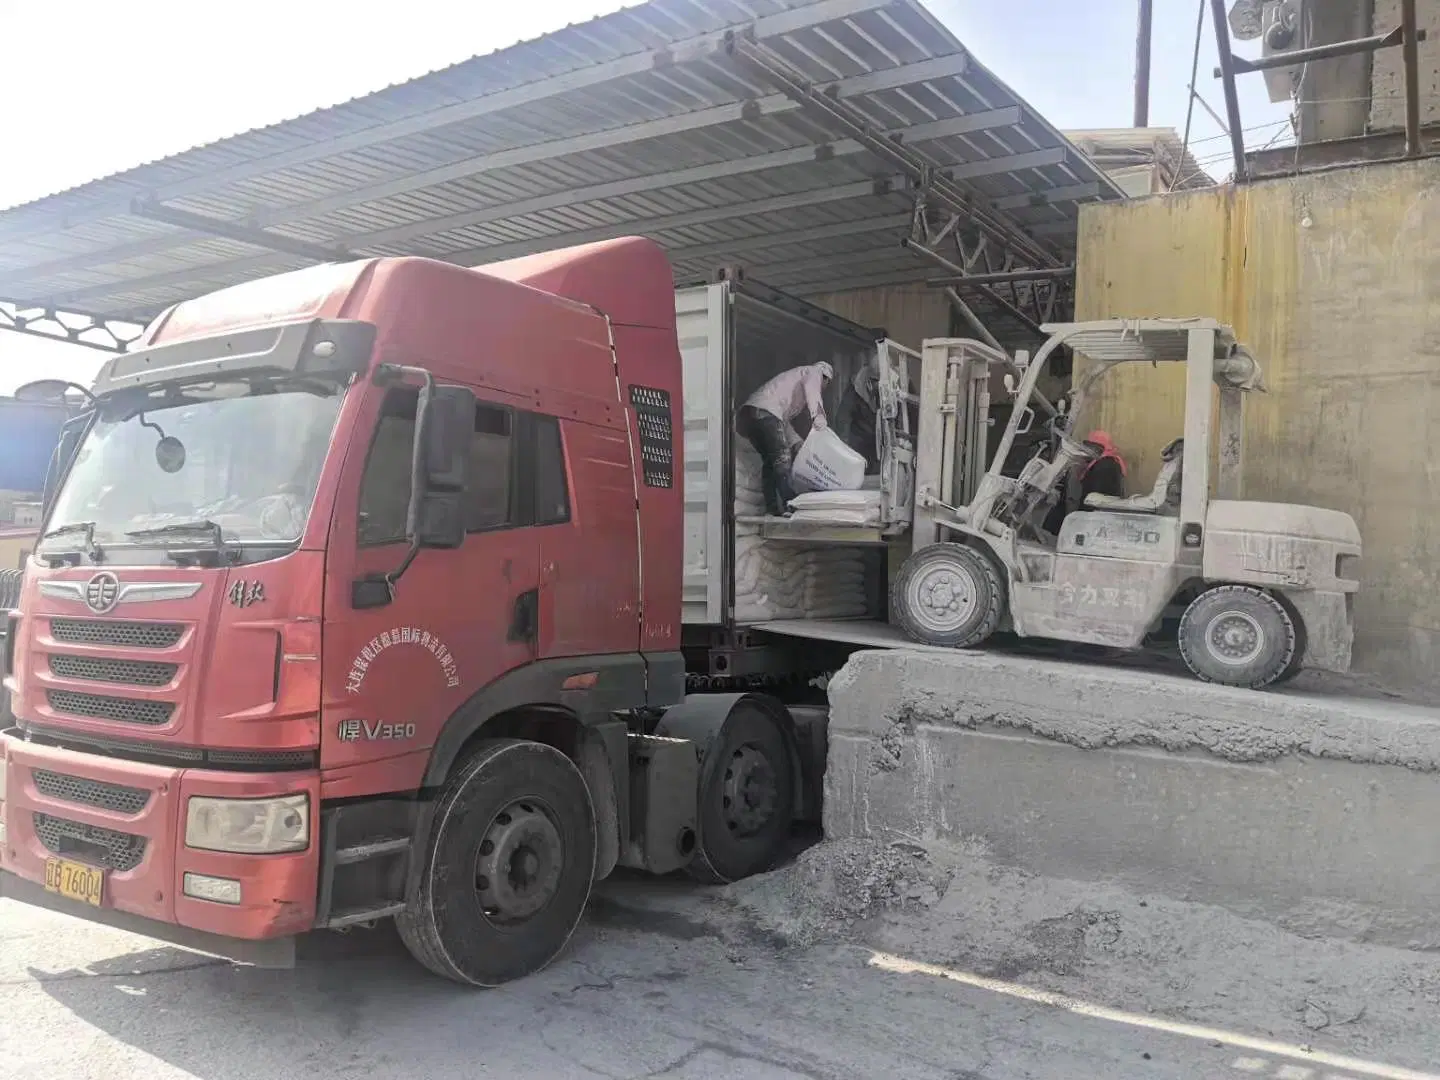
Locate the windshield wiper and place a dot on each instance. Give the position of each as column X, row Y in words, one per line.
column 88, row 547
column 182, row 528
column 86, row 527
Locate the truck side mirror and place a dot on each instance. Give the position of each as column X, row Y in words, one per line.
column 1027, row 421
column 449, row 428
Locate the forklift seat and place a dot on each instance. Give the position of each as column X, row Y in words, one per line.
column 1166, row 491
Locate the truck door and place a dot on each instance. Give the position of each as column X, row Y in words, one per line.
column 589, row 539
column 459, row 619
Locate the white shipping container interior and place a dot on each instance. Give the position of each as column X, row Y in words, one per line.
column 732, row 342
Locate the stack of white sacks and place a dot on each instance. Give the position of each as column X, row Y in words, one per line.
column 785, row 580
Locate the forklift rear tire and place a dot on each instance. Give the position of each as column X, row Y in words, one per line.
column 1302, row 644
column 1239, row 636
column 510, row 861
column 950, row 595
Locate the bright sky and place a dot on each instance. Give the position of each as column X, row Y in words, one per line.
column 113, row 87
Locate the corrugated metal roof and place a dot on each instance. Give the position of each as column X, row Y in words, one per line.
column 636, row 122
column 1116, row 148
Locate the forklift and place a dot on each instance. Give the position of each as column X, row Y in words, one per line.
column 1251, row 592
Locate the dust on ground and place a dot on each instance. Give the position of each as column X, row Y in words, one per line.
column 960, row 908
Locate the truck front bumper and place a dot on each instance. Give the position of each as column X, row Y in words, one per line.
column 266, row 953
column 126, row 819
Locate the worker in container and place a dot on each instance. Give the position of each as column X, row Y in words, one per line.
column 766, row 419
column 855, row 419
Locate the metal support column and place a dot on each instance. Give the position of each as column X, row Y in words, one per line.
column 1142, row 64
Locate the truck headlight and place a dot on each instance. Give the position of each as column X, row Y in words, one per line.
column 248, row 826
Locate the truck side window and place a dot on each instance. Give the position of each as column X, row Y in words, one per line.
column 552, row 494
column 491, row 451
column 385, row 487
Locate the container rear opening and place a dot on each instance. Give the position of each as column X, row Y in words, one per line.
column 792, row 580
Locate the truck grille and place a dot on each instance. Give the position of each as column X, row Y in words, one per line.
column 117, row 851
column 129, row 635
column 77, row 789
column 104, row 707
column 101, row 669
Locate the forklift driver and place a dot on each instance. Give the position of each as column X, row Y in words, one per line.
column 1104, row 475
column 766, row 419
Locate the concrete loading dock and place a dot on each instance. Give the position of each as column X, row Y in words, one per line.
column 1314, row 812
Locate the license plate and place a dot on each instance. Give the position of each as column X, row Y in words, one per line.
column 75, row 881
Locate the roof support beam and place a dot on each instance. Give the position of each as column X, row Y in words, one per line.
column 625, row 135
column 650, row 226
column 244, row 234
column 695, row 174
column 1005, row 277
column 834, row 265
column 490, row 253
column 832, row 283
column 898, row 222
column 1072, row 193
column 403, row 234
column 690, row 50
column 628, row 134
column 990, row 293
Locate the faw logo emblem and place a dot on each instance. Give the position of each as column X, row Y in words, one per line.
column 102, row 592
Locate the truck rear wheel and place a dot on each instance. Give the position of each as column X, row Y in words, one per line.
column 748, row 777
column 1239, row 636
column 510, row 862
column 948, row 595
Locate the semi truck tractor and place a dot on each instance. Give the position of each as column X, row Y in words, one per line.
column 396, row 589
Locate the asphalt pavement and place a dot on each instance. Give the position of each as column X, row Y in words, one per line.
column 656, row 984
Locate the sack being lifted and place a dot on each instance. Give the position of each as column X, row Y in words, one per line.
column 825, row 463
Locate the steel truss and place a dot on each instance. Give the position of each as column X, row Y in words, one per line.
column 75, row 327
column 994, row 256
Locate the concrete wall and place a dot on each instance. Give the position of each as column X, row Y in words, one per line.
column 1333, row 280
column 1387, row 105
column 1315, row 813
column 1332, row 98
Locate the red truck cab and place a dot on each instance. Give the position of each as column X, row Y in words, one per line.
column 286, row 658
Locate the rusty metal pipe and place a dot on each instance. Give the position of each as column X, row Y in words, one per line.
column 1410, row 51
column 1227, row 75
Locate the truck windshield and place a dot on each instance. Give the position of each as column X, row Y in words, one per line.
column 234, row 461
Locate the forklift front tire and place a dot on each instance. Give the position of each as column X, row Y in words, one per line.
column 949, row 595
column 1239, row 636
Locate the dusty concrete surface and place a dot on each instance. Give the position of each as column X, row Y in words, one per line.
column 1236, row 984
column 664, row 981
column 673, row 981
column 1316, row 812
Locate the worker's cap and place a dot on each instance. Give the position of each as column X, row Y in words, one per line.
column 826, row 371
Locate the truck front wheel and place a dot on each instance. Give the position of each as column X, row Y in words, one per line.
column 509, row 865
